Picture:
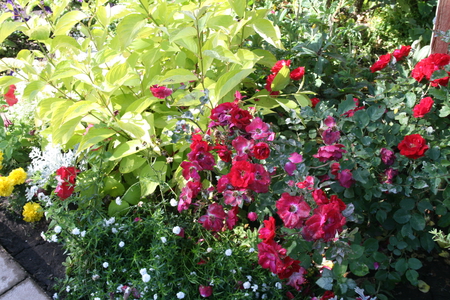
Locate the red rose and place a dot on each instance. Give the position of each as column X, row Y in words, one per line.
column 381, row 63
column 423, row 107
column 279, row 64
column 314, row 102
column 298, row 73
column 160, row 92
column 413, row 146
column 242, row 174
column 399, row 54
column 240, row 118
column 10, row 98
column 261, row 151
column 426, row 67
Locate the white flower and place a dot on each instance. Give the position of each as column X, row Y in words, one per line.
column 83, row 233
column 251, row 250
column 76, row 231
column 249, row 277
column 155, row 296
column 173, row 202
column 247, row 285
column 110, row 221
column 57, row 229
column 176, row 230
column 146, row 278
column 68, row 288
column 180, row 295
column 95, row 277
column 54, row 238
column 228, row 252
column 264, row 296
column 97, row 298
column 118, row 201
column 114, row 230
column 254, row 287
column 105, row 264
column 55, row 296
column 209, row 249
column 143, row 271
column 233, row 271
column 121, row 244
column 278, row 285
column 164, row 240
column 43, row 236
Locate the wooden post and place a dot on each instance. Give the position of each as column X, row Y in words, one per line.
column 442, row 23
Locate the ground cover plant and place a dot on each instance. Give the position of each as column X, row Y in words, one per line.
column 201, row 149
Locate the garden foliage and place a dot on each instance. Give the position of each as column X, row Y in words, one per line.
column 215, row 153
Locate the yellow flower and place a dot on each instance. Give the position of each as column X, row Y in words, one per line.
column 18, row 176
column 32, row 212
column 6, row 186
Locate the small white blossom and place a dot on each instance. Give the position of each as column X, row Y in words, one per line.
column 264, row 296
column 143, row 271
column 110, row 221
column 247, row 285
column 97, row 298
column 254, row 287
column 57, row 229
column 180, row 295
column 54, row 238
column 114, row 230
column 176, row 230
column 146, row 278
column 193, row 273
column 249, row 277
column 233, row 271
column 83, row 233
column 76, row 231
column 121, row 244
column 55, row 296
column 155, row 296
column 105, row 264
column 95, row 277
column 278, row 285
column 43, row 236
column 68, row 288
column 173, row 202
column 209, row 249
column 164, row 240
column 118, row 201
column 228, row 252
column 251, row 250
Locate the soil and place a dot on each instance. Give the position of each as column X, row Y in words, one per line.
column 43, row 260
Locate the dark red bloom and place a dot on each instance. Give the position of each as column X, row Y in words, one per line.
column 213, row 220
column 232, row 217
column 389, row 175
column 240, row 118
column 345, row 178
column 66, row 181
column 387, row 156
column 423, row 107
column 325, row 222
column 308, row 183
column 381, row 63
column 330, row 137
column 279, row 64
column 426, row 67
column 298, row 73
column 261, row 150
column 335, row 167
column 205, row 290
column 261, row 181
column 259, row 130
column 242, row 174
column 314, row 102
column 413, row 146
column 223, row 152
column 327, row 295
column 292, row 210
column 10, row 97
column 320, row 197
column 222, row 114
column 267, row 233
column 401, row 53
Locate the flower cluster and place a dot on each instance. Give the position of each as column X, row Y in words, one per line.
column 241, row 142
column 384, row 60
column 14, row 178
column 66, row 181
column 425, row 68
column 32, row 212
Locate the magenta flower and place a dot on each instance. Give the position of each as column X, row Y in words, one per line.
column 232, row 217
column 290, row 167
column 296, row 158
column 258, row 129
column 389, row 175
column 261, row 150
column 330, row 137
column 252, row 216
column 213, row 220
column 185, row 199
column 345, row 178
column 261, row 180
column 292, row 210
column 308, row 183
column 296, row 280
column 160, row 91
column 242, row 145
column 387, row 156
column 331, row 152
column 330, row 121
column 205, row 290
column 234, row 197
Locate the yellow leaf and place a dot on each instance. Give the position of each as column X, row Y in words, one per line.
column 444, row 254
column 423, row 286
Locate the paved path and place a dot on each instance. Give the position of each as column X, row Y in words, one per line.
column 15, row 283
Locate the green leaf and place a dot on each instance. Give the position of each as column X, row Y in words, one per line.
column 362, row 118
column 151, row 176
column 66, row 23
column 420, row 184
column 128, row 29
column 63, row 133
column 9, row 80
column 401, row 265
column 417, row 222
column 402, row 216
column 177, row 76
column 136, row 126
column 326, row 283
column 357, row 250
column 238, row 6
column 281, row 80
column 127, row 148
column 6, row 28
column 410, row 99
column 376, row 111
column 359, row 268
column 139, row 105
column 268, row 32
column 117, row 74
column 64, row 41
column 32, row 89
column 185, row 32
column 414, row 263
column 93, row 137
column 80, row 108
column 407, row 203
column 303, row 100
column 40, row 33
column 412, row 276
column 444, row 111
column 229, row 81
column 130, row 163
column 346, row 105
column 370, row 246
column 268, row 59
